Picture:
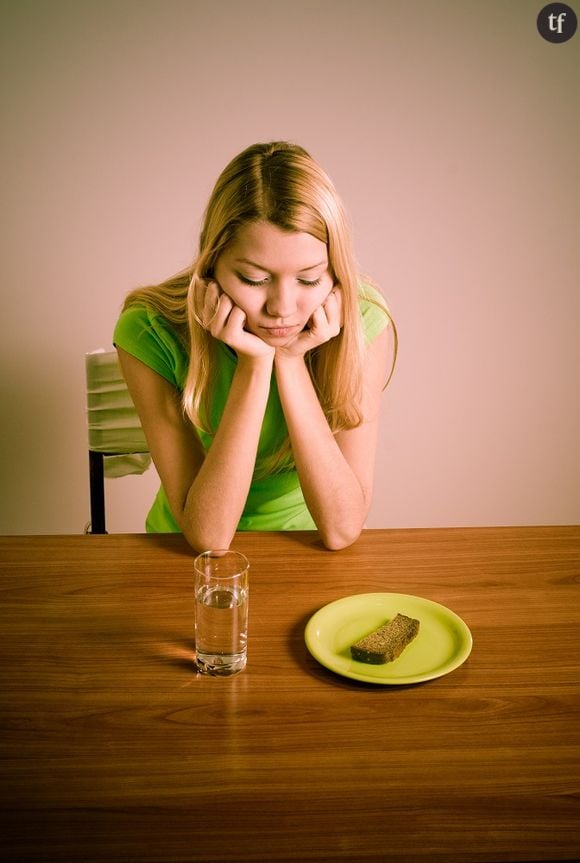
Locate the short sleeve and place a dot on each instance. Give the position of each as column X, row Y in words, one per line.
column 374, row 312
column 150, row 338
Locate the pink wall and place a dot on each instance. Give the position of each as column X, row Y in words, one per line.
column 451, row 130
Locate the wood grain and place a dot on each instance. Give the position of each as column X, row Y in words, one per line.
column 114, row 748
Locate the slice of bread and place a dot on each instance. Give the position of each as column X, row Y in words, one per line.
column 387, row 642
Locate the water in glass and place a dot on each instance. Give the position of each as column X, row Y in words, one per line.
column 221, row 622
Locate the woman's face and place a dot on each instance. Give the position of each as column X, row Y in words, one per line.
column 278, row 278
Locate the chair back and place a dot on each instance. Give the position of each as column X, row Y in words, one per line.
column 117, row 444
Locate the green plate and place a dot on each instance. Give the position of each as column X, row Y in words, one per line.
column 442, row 644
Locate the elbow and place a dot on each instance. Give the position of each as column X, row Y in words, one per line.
column 342, row 526
column 199, row 544
column 204, row 532
column 207, row 540
column 343, row 529
column 337, row 539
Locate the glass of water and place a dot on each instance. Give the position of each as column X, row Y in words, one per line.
column 221, row 611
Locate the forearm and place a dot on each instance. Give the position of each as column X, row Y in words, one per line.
column 331, row 489
column 219, row 491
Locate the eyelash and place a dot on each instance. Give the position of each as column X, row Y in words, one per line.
column 263, row 282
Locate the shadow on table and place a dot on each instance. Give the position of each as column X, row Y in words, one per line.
column 176, row 543
column 177, row 653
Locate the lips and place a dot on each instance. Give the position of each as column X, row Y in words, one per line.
column 280, row 331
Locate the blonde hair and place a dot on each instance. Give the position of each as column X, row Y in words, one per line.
column 279, row 183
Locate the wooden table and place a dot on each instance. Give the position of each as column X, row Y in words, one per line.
column 114, row 749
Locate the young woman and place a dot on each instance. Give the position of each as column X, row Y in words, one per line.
column 257, row 372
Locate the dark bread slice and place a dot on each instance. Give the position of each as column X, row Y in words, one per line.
column 387, row 642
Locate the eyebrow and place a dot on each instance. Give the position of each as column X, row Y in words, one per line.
column 266, row 270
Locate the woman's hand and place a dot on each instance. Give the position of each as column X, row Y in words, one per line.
column 325, row 323
column 225, row 321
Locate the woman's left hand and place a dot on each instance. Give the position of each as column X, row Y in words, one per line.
column 325, row 323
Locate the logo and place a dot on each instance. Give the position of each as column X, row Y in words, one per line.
column 557, row 22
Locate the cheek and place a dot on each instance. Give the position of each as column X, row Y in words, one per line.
column 315, row 298
column 242, row 296
column 248, row 301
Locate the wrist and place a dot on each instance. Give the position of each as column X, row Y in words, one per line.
column 259, row 364
column 284, row 359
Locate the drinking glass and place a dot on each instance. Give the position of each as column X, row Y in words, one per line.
column 221, row 611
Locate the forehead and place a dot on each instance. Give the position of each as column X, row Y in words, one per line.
column 275, row 249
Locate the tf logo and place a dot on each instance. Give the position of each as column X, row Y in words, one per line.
column 557, row 22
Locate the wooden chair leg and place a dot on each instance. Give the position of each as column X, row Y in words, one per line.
column 97, row 489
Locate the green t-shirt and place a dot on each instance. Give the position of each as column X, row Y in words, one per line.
column 274, row 502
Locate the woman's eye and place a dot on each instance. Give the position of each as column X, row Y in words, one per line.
column 255, row 284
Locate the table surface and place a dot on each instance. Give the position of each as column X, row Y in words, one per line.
column 114, row 748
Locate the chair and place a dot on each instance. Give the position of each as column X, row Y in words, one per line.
column 117, row 445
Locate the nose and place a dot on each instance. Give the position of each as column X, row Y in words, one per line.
column 281, row 300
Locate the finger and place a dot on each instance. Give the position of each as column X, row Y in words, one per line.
column 334, row 297
column 219, row 320
column 340, row 304
column 333, row 309
column 235, row 321
column 318, row 324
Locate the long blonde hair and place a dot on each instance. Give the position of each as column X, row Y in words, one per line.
column 279, row 183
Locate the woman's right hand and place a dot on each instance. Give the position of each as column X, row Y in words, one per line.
column 225, row 321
